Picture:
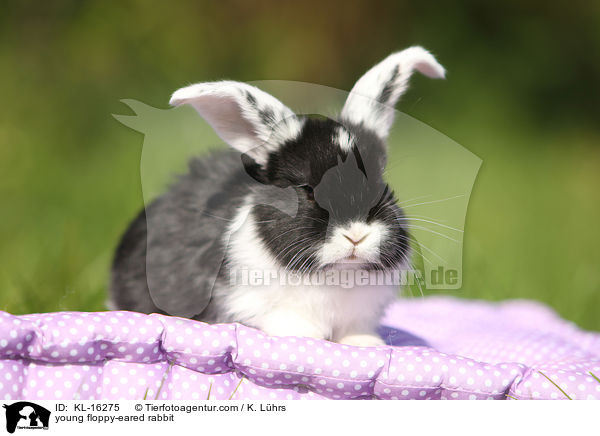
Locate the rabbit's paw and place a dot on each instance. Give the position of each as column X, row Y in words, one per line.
column 365, row 340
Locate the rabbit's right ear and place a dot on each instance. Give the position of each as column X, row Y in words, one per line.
column 248, row 119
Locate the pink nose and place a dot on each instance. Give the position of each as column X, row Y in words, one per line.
column 353, row 239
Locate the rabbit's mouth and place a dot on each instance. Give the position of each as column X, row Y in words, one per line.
column 354, row 259
column 351, row 262
column 357, row 243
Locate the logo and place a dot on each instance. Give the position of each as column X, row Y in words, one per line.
column 26, row 415
column 435, row 207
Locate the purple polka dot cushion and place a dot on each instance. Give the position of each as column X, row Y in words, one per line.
column 440, row 348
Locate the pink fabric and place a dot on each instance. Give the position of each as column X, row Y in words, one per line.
column 445, row 349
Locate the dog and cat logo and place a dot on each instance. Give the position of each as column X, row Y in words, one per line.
column 26, row 415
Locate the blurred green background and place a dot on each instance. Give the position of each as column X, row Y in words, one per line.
column 522, row 94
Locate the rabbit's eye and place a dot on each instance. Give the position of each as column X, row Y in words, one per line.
column 310, row 193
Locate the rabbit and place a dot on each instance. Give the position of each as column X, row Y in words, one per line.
column 294, row 197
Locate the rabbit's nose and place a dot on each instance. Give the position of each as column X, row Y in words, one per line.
column 355, row 240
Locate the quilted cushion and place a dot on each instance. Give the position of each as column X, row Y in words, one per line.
column 440, row 348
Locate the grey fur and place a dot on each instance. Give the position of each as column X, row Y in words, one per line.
column 172, row 258
column 172, row 248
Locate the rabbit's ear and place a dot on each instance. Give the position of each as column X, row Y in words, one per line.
column 248, row 119
column 372, row 99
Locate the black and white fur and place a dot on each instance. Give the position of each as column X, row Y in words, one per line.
column 297, row 195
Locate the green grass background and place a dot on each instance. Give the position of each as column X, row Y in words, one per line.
column 522, row 94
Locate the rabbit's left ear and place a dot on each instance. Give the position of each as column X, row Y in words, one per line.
column 372, row 99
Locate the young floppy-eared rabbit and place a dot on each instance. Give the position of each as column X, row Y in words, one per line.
column 264, row 233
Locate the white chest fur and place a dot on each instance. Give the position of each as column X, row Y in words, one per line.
column 262, row 294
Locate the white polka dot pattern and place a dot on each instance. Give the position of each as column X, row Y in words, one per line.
column 475, row 350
